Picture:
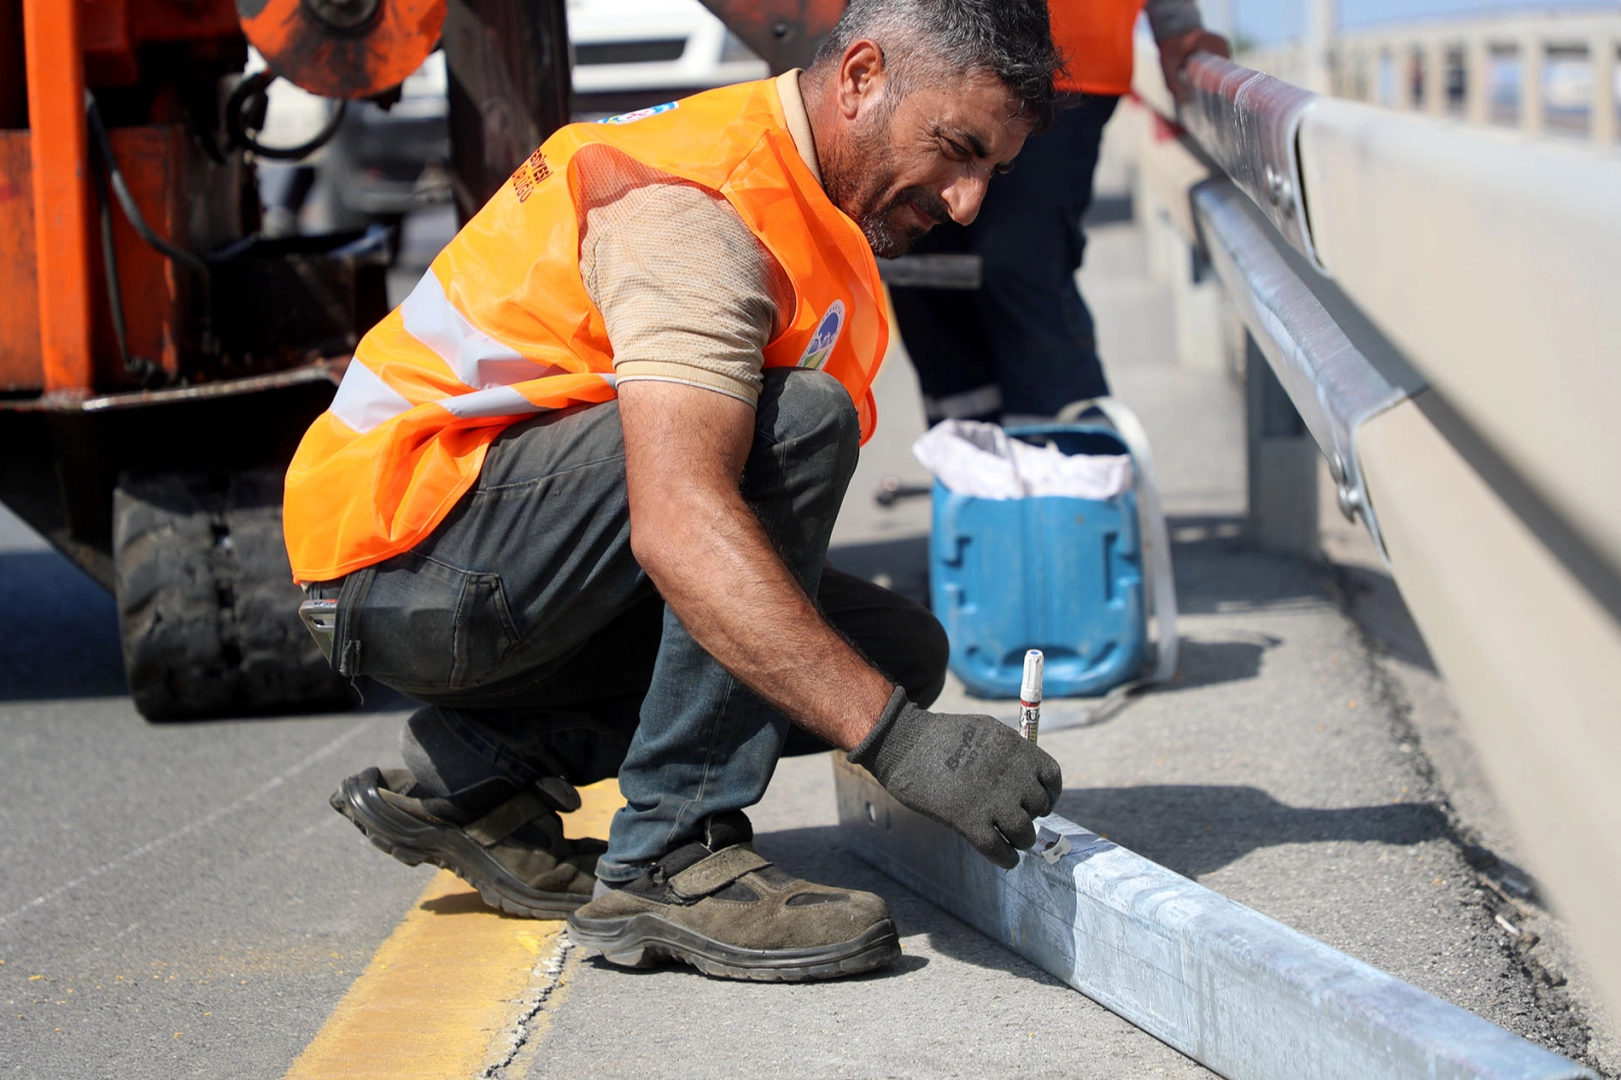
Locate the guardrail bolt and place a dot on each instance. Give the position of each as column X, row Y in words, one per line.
column 1279, row 192
column 1350, row 501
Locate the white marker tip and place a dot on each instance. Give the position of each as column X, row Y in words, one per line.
column 1030, row 687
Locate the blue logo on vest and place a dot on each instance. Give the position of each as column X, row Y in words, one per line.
column 827, row 336
column 639, row 114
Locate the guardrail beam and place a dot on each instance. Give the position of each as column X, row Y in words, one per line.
column 1601, row 54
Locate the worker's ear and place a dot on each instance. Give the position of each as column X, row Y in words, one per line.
column 862, row 78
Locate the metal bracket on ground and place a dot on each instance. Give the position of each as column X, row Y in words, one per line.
column 1236, row 991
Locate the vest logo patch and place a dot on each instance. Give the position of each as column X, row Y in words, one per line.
column 530, row 173
column 639, row 114
column 826, row 336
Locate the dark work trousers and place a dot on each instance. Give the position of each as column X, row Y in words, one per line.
column 1023, row 343
column 545, row 649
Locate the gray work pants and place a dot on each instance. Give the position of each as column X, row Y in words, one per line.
column 527, row 622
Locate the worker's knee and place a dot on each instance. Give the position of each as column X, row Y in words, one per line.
column 901, row 639
column 810, row 410
column 921, row 670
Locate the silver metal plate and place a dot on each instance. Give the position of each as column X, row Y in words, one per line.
column 1249, row 124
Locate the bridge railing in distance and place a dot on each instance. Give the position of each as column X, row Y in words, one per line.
column 1548, row 71
column 1441, row 303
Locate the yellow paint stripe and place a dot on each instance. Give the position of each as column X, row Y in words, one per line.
column 441, row 995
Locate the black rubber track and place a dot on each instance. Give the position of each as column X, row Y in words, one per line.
column 207, row 609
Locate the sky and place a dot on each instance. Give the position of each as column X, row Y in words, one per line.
column 1267, row 21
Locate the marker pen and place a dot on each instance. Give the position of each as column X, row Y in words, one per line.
column 1030, row 695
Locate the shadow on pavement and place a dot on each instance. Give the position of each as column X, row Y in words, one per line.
column 1195, row 829
column 1219, row 572
column 903, row 966
column 1203, row 662
column 468, row 903
column 61, row 631
column 817, row 854
column 1383, row 615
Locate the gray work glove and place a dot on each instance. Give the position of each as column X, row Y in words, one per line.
column 971, row 773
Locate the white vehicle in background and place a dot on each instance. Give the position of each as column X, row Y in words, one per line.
column 630, row 54
column 386, row 163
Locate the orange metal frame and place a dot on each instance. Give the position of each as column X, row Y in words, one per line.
column 60, row 173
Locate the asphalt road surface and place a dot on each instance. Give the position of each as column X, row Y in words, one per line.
column 179, row 901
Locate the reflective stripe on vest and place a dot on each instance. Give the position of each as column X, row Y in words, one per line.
column 1096, row 38
column 501, row 326
column 484, row 365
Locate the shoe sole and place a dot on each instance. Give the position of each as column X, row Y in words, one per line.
column 413, row 841
column 647, row 939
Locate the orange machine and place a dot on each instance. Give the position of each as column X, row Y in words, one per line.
column 159, row 359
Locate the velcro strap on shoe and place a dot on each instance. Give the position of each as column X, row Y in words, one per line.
column 717, row 871
column 508, row 818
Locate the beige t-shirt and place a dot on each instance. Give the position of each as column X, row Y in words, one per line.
column 688, row 294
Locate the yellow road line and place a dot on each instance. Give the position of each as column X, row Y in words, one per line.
column 441, row 996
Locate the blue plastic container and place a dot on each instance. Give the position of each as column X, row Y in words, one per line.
column 1057, row 574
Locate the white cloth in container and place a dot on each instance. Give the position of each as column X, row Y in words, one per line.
column 973, row 458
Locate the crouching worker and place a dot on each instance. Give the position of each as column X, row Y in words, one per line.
column 575, row 496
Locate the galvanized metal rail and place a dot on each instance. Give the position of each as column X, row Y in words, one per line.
column 1236, row 991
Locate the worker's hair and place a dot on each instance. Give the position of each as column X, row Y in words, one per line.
column 923, row 40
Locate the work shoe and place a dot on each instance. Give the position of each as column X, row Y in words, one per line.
column 504, row 841
column 726, row 910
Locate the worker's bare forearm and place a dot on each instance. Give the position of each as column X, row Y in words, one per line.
column 719, row 573
column 714, row 565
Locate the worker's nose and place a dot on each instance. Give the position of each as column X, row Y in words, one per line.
column 963, row 198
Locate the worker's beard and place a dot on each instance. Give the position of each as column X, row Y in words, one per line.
column 858, row 182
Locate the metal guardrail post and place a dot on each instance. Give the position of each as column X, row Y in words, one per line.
column 1435, row 77
column 1533, row 111
column 1322, row 21
column 1601, row 54
column 1477, row 80
column 1281, row 463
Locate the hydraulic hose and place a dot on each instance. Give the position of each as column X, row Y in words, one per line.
column 254, row 88
column 132, row 212
column 138, row 366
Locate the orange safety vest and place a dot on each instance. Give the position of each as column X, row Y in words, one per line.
column 501, row 326
column 1096, row 37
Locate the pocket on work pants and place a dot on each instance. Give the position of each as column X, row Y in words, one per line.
column 422, row 624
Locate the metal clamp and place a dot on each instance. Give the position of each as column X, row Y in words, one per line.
column 321, row 620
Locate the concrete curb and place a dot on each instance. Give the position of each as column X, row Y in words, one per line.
column 1238, row 992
